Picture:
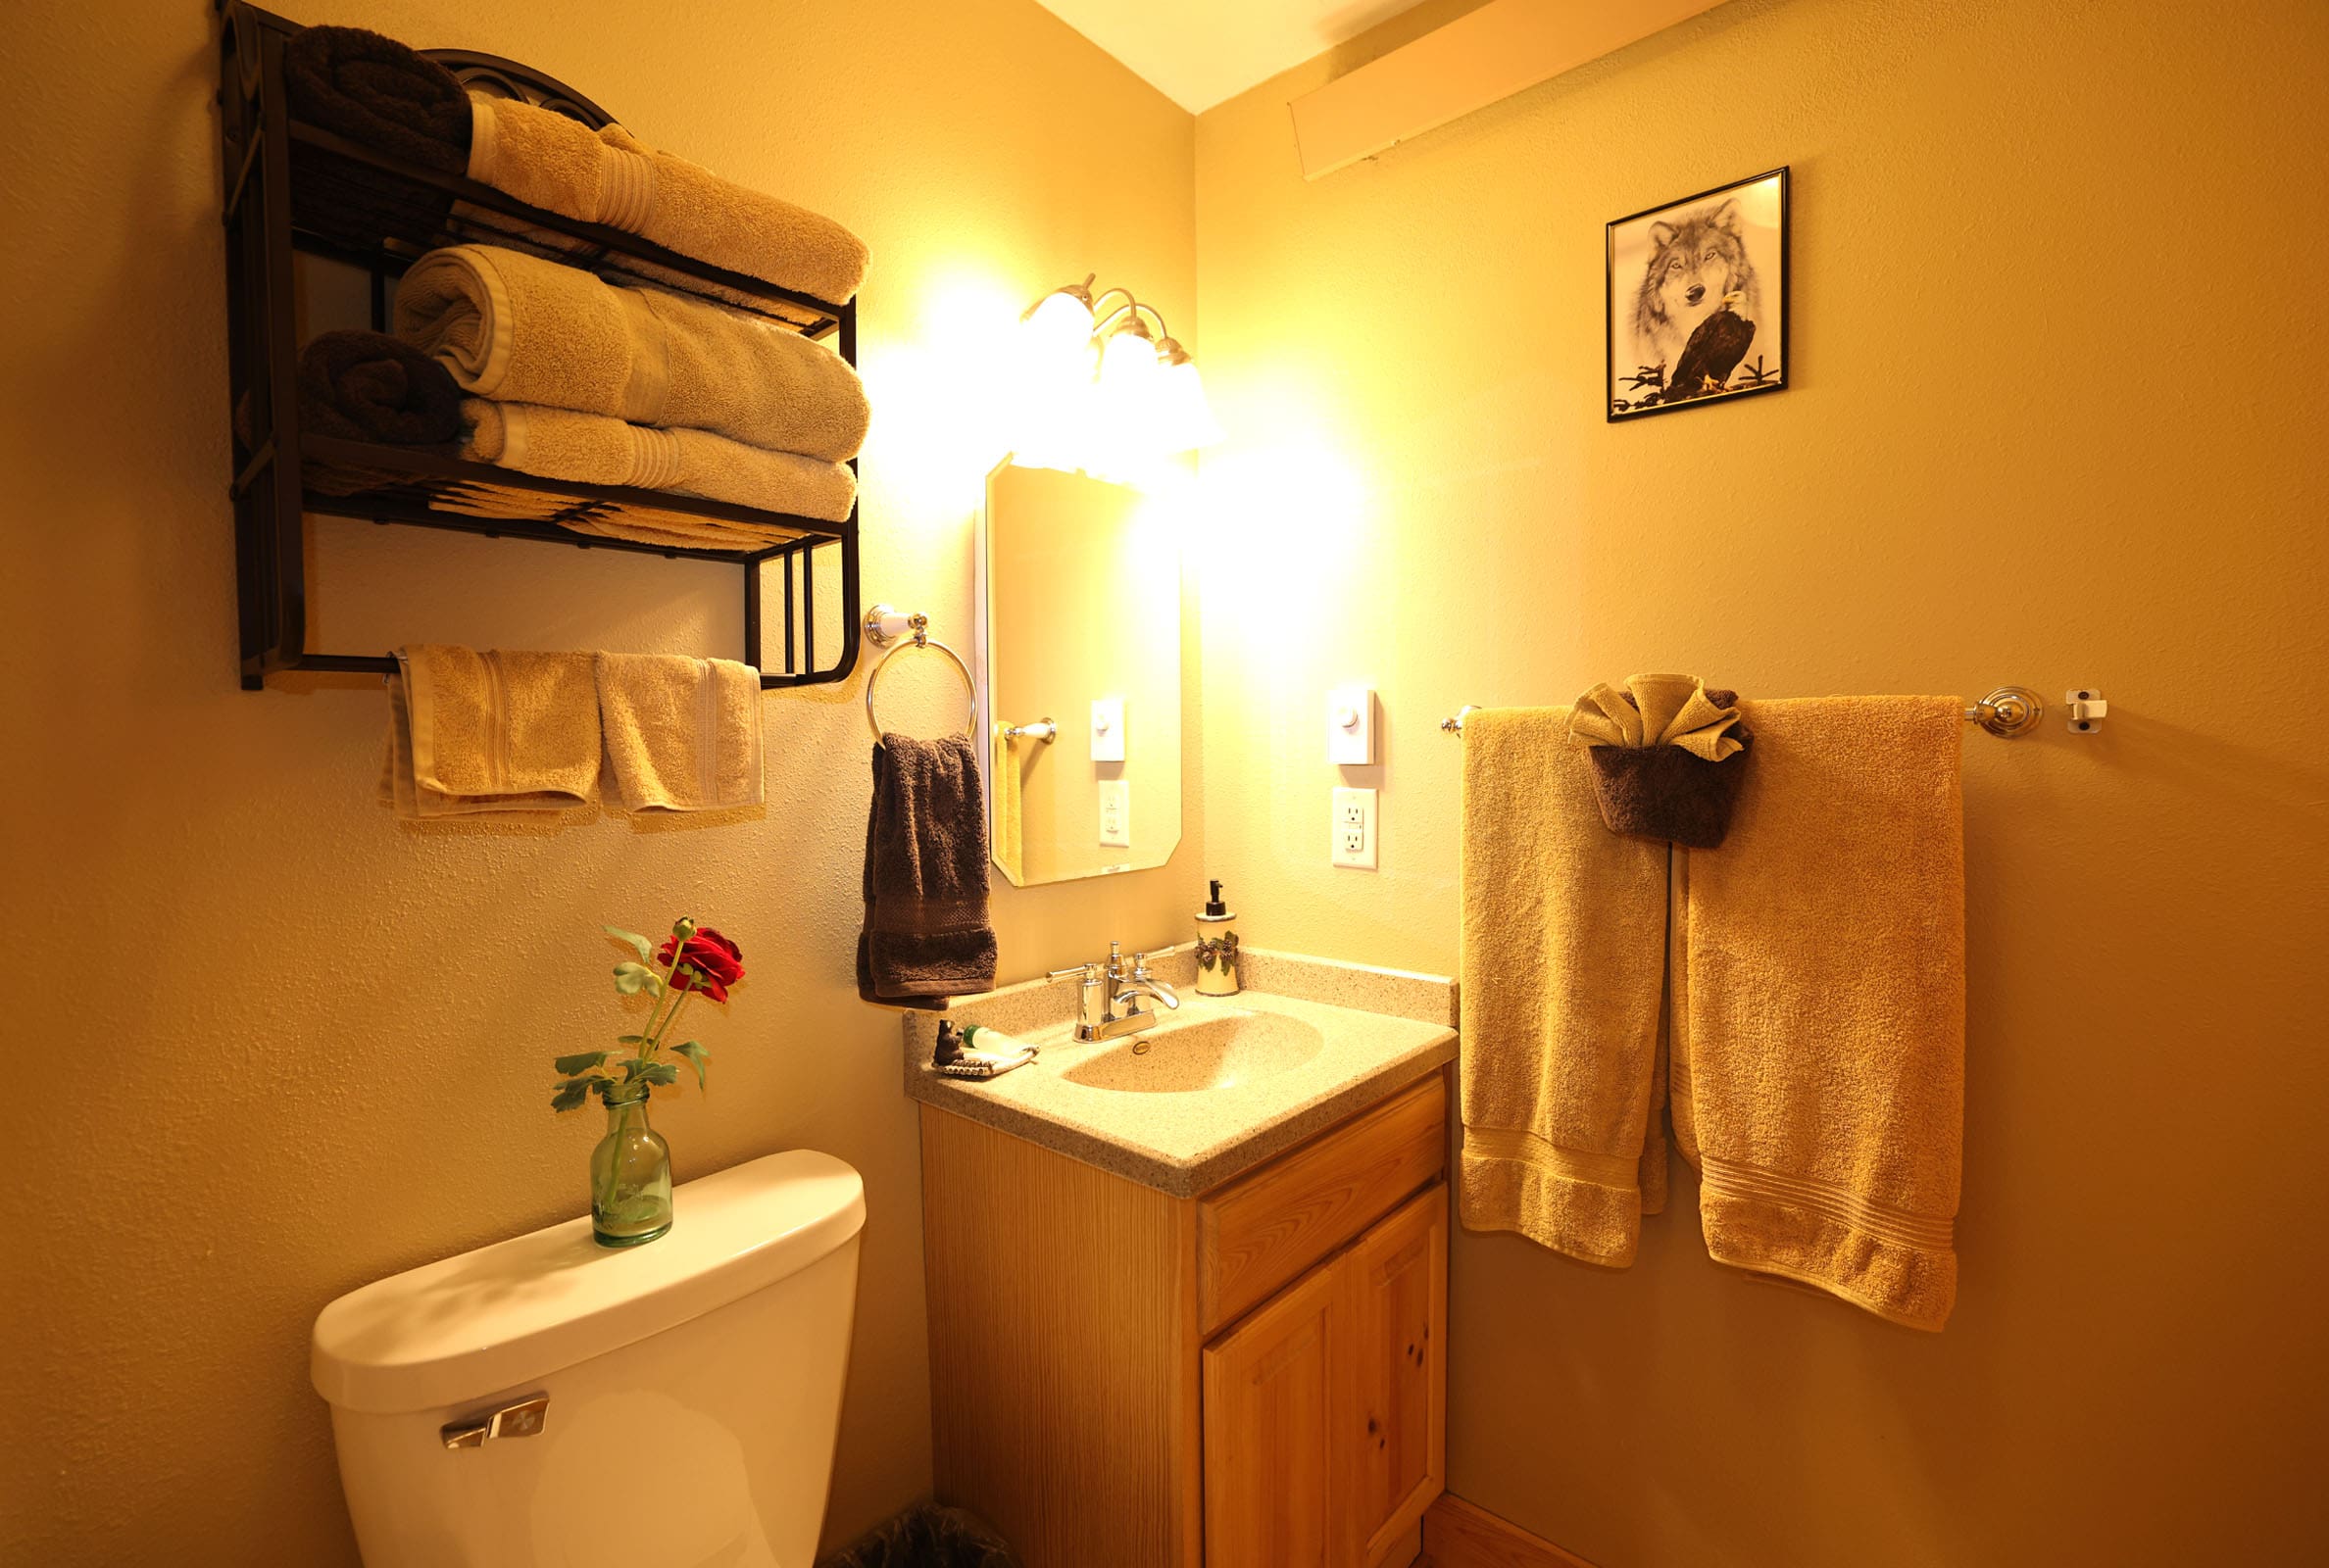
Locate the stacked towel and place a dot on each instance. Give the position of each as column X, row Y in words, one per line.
column 612, row 178
column 1819, row 1006
column 1564, row 959
column 476, row 734
column 926, row 939
column 516, row 328
column 378, row 92
column 682, row 734
column 594, row 448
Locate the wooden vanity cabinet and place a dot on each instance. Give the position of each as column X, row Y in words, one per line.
column 1252, row 1378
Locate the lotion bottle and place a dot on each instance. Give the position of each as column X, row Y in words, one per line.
column 1217, row 948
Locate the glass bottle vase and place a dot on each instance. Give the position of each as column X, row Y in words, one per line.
column 630, row 1178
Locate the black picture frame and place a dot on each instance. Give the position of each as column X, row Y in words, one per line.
column 1626, row 398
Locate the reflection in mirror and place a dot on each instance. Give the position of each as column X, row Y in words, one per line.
column 1080, row 602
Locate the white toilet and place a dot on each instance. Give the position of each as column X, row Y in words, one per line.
column 547, row 1400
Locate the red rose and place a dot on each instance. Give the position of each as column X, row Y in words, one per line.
column 710, row 964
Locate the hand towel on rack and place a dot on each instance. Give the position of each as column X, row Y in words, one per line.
column 1010, row 804
column 369, row 386
column 926, row 939
column 1564, row 967
column 682, row 734
column 1819, row 1006
column 518, row 329
column 609, row 177
column 473, row 734
column 593, row 449
column 1667, row 756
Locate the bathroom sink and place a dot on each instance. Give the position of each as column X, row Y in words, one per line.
column 1218, row 1053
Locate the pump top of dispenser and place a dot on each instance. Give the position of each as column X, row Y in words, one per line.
column 1214, row 908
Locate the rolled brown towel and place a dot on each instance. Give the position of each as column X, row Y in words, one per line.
column 380, row 94
column 369, row 386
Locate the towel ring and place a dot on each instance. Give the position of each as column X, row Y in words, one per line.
column 883, row 625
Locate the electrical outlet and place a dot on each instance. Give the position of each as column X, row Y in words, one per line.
column 1115, row 812
column 1354, row 842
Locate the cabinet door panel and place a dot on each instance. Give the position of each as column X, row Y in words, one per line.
column 1392, row 1424
column 1271, row 1393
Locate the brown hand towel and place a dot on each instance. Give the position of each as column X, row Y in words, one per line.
column 926, row 939
column 1667, row 756
column 1564, row 963
column 1819, row 1006
column 369, row 386
column 380, row 94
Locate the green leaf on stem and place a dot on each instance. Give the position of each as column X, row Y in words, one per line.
column 631, row 1039
column 659, row 1072
column 639, row 944
column 696, row 1055
column 632, row 978
column 630, row 1066
column 580, row 1061
column 570, row 1093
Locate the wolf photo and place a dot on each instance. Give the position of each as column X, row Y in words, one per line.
column 1698, row 299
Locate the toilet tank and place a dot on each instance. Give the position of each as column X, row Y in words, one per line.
column 691, row 1389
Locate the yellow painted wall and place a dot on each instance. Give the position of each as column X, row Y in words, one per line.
column 265, row 1043
column 2057, row 418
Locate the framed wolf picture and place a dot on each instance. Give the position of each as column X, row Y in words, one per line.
column 1698, row 299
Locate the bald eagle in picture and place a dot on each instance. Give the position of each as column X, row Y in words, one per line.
column 1715, row 347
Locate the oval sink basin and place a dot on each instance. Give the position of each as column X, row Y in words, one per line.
column 1218, row 1053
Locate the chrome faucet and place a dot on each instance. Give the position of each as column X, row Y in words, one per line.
column 1108, row 986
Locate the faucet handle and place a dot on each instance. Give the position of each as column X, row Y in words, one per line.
column 1080, row 971
column 1140, row 961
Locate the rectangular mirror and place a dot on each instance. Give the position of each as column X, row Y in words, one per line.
column 1080, row 598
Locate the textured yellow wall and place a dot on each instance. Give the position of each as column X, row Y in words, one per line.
column 267, row 1045
column 2057, row 418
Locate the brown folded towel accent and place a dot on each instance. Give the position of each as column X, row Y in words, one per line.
column 926, row 939
column 369, row 386
column 1667, row 756
column 1819, row 1006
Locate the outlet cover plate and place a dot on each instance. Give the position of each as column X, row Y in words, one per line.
column 1115, row 812
column 1354, row 829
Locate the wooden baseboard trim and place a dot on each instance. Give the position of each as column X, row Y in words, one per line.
column 1461, row 1535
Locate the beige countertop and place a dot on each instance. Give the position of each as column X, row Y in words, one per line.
column 1382, row 1029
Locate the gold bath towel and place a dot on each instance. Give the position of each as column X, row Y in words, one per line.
column 682, row 734
column 1563, row 956
column 1009, row 833
column 473, row 734
column 1818, row 1004
column 593, row 449
column 518, row 329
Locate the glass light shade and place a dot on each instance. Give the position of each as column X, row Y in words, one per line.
column 1184, row 419
column 1053, row 393
column 1122, row 435
column 1056, row 337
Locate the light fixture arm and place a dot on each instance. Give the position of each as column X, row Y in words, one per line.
column 1131, row 306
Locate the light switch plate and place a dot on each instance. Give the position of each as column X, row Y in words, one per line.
column 1115, row 812
column 1354, row 829
column 1108, row 730
column 1350, row 725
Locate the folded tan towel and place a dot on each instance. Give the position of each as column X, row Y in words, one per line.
column 1656, row 711
column 473, row 734
column 561, row 444
column 1818, row 1004
column 612, row 178
column 682, row 734
column 518, row 329
column 1564, row 959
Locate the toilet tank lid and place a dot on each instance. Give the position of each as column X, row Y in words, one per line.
column 507, row 1314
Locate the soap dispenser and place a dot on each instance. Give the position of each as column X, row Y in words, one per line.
column 1217, row 948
